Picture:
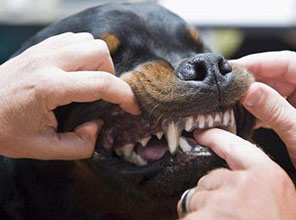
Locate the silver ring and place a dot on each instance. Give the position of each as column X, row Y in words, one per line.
column 183, row 201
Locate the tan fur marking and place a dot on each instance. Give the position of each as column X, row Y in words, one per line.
column 112, row 42
column 154, row 83
column 193, row 34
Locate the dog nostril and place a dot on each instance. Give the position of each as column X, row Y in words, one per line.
column 200, row 71
column 224, row 67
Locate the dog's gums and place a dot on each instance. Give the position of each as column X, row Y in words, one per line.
column 140, row 140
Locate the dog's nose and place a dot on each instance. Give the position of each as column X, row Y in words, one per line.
column 208, row 67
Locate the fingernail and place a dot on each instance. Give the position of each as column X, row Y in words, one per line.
column 253, row 99
column 99, row 122
column 90, row 128
column 196, row 132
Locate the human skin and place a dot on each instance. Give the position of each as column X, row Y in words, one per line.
column 254, row 187
column 62, row 69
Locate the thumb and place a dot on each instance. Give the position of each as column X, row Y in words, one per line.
column 272, row 109
column 75, row 145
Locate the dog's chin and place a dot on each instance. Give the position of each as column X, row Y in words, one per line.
column 160, row 156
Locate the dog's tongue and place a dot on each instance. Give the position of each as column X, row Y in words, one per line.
column 153, row 151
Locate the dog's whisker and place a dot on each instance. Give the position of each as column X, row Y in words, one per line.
column 150, row 113
column 159, row 118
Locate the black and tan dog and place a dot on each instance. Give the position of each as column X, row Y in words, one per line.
column 142, row 164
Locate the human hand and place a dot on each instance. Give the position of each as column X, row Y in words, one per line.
column 278, row 70
column 254, row 188
column 56, row 72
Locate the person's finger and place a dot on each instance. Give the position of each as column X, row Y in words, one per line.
column 284, row 87
column 197, row 200
column 92, row 86
column 271, row 65
column 75, row 145
column 201, row 215
column 65, row 39
column 87, row 55
column 268, row 106
column 237, row 152
column 214, row 179
column 190, row 203
column 58, row 41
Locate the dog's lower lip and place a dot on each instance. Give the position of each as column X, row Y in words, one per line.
column 171, row 136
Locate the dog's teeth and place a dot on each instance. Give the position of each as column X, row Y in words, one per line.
column 210, row 121
column 184, row 145
column 201, row 121
column 217, row 118
column 173, row 134
column 226, row 118
column 233, row 124
column 136, row 159
column 145, row 141
column 125, row 151
column 159, row 135
column 188, row 124
column 232, row 118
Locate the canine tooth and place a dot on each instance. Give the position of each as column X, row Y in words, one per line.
column 210, row 121
column 159, row 135
column 201, row 121
column 125, row 151
column 184, row 145
column 145, row 141
column 136, row 159
column 226, row 118
column 188, row 124
column 173, row 135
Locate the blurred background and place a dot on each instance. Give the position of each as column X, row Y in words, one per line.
column 233, row 28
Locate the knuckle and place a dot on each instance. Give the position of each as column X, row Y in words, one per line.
column 86, row 35
column 219, row 171
column 245, row 179
column 228, row 149
column 69, row 33
column 66, row 34
column 202, row 180
column 103, row 47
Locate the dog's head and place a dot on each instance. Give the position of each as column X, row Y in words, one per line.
column 142, row 164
